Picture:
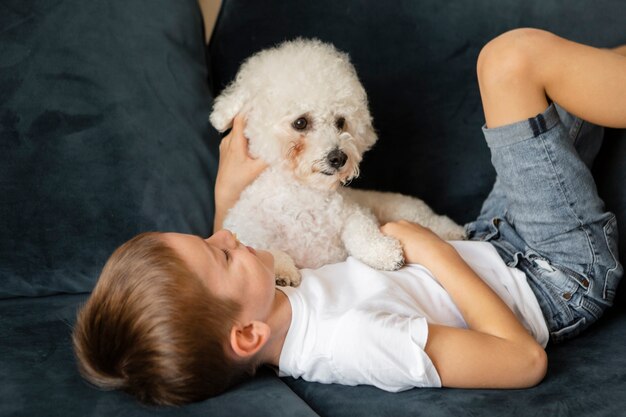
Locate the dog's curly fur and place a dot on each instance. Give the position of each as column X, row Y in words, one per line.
column 307, row 116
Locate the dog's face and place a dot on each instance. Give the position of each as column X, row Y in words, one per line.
column 305, row 108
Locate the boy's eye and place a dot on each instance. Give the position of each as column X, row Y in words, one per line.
column 226, row 253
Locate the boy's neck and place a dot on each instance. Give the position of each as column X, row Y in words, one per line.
column 279, row 322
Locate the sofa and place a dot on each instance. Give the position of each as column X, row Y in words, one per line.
column 104, row 133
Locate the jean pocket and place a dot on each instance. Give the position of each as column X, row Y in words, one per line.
column 562, row 281
column 608, row 266
column 573, row 310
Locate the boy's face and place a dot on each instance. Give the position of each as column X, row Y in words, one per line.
column 230, row 270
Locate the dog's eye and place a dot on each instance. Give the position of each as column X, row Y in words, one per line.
column 340, row 123
column 300, row 123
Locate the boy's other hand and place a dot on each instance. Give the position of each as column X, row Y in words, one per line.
column 237, row 169
column 420, row 244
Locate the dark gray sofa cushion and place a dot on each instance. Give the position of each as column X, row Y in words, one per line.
column 103, row 134
column 39, row 376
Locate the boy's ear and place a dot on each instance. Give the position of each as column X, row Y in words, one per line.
column 247, row 340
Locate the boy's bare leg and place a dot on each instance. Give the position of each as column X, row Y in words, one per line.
column 619, row 50
column 521, row 70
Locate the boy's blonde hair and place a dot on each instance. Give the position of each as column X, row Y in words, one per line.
column 153, row 329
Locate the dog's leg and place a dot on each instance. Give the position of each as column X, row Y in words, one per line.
column 364, row 240
column 389, row 207
column 287, row 274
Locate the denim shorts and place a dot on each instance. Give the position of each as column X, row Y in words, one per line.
column 545, row 218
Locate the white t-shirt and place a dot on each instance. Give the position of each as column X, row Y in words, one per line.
column 352, row 324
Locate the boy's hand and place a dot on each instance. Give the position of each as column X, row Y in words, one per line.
column 420, row 244
column 237, row 169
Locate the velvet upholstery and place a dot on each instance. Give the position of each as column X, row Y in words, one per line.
column 104, row 133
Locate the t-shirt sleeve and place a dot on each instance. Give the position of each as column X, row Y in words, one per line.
column 382, row 349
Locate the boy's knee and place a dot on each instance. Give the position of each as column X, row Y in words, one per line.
column 511, row 57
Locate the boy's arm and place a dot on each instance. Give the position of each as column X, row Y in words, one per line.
column 496, row 351
column 235, row 172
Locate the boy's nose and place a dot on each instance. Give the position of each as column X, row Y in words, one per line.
column 232, row 240
column 225, row 236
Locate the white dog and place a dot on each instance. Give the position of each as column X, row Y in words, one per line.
column 307, row 117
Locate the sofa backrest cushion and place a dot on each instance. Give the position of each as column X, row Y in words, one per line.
column 103, row 134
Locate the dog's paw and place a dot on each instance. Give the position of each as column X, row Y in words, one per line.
column 288, row 278
column 395, row 256
column 285, row 270
column 385, row 254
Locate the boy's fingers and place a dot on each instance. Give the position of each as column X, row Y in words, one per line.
column 237, row 132
column 238, row 124
column 240, row 143
column 225, row 143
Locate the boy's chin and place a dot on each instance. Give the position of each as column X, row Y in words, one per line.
column 267, row 258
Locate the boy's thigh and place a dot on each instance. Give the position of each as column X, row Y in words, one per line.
column 550, row 193
column 587, row 139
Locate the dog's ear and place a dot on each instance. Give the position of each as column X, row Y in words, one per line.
column 369, row 136
column 227, row 105
column 365, row 134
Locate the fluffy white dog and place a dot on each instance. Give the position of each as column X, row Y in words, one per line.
column 307, row 116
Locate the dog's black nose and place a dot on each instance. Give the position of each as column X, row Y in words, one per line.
column 336, row 158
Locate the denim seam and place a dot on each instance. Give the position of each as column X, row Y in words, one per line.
column 590, row 307
column 559, row 179
column 564, row 194
column 589, row 267
column 574, row 132
column 605, row 290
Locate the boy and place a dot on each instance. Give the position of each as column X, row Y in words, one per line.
column 175, row 318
